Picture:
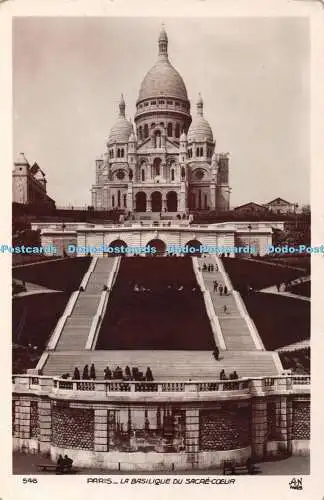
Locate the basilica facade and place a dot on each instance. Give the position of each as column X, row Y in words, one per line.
column 168, row 161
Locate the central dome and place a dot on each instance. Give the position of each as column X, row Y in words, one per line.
column 163, row 80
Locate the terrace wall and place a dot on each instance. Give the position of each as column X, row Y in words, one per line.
column 161, row 426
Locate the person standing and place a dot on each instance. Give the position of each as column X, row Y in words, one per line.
column 76, row 374
column 225, row 290
column 85, row 374
column 220, row 289
column 216, row 353
column 92, row 372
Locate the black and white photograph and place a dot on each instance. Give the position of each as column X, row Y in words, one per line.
column 161, row 248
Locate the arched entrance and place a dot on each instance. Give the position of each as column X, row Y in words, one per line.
column 194, row 244
column 140, row 201
column 114, row 245
column 159, row 245
column 156, row 200
column 172, row 201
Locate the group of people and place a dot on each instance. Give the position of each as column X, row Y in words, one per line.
column 128, row 374
column 222, row 289
column 64, row 465
column 116, row 374
column 170, row 287
column 210, row 268
column 232, row 376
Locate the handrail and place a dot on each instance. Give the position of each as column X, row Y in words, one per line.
column 255, row 386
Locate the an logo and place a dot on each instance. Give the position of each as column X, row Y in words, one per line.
column 296, row 484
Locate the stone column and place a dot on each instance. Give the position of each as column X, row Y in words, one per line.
column 289, row 411
column 182, row 198
column 192, row 437
column 24, row 419
column 45, row 425
column 130, row 197
column 259, row 427
column 212, row 190
column 164, row 203
column 282, row 400
column 100, row 430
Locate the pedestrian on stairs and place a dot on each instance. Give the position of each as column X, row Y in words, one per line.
column 226, row 310
column 92, row 372
column 85, row 374
column 220, row 289
column 216, row 353
column 225, row 290
column 215, row 286
column 76, row 374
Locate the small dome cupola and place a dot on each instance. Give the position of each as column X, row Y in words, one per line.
column 122, row 129
column 200, row 130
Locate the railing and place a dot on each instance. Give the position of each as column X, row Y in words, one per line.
column 249, row 386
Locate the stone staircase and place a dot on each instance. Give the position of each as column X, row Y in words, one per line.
column 168, row 365
column 77, row 326
column 235, row 331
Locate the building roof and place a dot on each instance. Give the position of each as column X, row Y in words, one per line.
column 250, row 204
column 278, row 200
column 21, row 159
column 163, row 80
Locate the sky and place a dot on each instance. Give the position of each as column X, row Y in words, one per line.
column 253, row 75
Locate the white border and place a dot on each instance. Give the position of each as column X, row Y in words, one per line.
column 11, row 487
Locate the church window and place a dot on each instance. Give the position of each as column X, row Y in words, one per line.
column 153, row 102
column 169, row 102
column 161, row 102
column 177, row 103
column 143, row 174
column 130, row 174
column 197, row 152
column 201, row 152
column 140, row 133
column 146, row 130
column 169, row 129
column 118, row 153
column 172, row 175
column 118, row 198
column 113, row 200
column 125, row 201
column 122, row 153
column 152, row 125
column 183, row 172
column 120, row 174
column 199, row 198
column 146, row 103
column 161, row 124
column 199, row 174
column 177, row 130
column 193, row 200
column 206, row 201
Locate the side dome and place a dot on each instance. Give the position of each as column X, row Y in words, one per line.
column 163, row 80
column 123, row 128
column 200, row 129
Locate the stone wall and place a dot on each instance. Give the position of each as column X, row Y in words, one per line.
column 73, row 427
column 225, row 429
column 301, row 420
column 34, row 420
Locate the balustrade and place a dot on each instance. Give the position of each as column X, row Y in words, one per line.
column 260, row 384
